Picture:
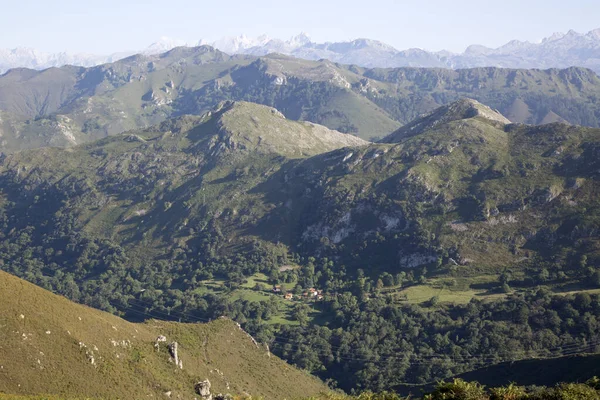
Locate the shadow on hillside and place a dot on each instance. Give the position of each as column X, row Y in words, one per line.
column 539, row 372
column 277, row 225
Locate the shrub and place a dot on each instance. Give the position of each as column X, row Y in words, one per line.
column 458, row 390
column 510, row 392
column 567, row 391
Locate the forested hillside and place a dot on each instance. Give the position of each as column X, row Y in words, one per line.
column 469, row 242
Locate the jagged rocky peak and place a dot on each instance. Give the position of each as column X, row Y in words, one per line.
column 469, row 108
column 461, row 109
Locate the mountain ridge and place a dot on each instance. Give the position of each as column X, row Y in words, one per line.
column 462, row 109
column 69, row 105
column 559, row 50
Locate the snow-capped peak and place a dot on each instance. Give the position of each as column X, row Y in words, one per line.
column 594, row 35
column 299, row 40
column 164, row 44
column 554, row 37
column 240, row 43
column 558, row 50
column 478, row 49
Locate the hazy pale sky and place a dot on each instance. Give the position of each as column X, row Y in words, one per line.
column 107, row 26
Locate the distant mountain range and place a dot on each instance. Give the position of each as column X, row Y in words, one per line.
column 560, row 50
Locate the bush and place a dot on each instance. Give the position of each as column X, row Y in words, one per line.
column 434, row 301
column 510, row 392
column 458, row 390
column 594, row 383
column 566, row 391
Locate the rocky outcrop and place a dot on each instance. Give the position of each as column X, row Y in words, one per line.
column 157, row 98
column 159, row 340
column 416, row 259
column 203, row 389
column 174, row 354
column 89, row 353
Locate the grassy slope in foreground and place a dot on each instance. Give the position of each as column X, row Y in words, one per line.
column 48, row 344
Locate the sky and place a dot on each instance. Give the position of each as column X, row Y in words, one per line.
column 107, row 26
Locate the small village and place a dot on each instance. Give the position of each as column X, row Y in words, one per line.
column 310, row 294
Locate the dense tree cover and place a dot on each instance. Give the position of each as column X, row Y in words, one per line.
column 459, row 389
column 365, row 339
column 377, row 344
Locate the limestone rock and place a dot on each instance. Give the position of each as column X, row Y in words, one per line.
column 173, row 351
column 203, row 389
column 160, row 339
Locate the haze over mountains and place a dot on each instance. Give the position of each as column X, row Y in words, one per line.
column 559, row 50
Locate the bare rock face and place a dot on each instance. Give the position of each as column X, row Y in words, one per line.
column 159, row 340
column 173, row 351
column 203, row 389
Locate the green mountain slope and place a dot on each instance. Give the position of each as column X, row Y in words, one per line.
column 53, row 346
column 197, row 216
column 474, row 192
column 35, row 93
column 459, row 110
column 67, row 106
column 180, row 182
